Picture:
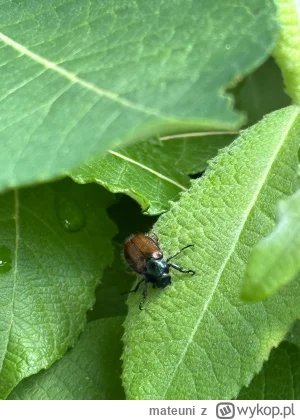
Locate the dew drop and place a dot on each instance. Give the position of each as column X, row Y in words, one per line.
column 227, row 46
column 69, row 214
column 5, row 259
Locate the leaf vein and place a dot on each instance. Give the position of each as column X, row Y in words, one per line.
column 77, row 80
column 159, row 175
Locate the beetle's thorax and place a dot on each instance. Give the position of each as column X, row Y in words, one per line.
column 156, row 267
column 157, row 272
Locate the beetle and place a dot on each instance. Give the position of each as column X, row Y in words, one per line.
column 144, row 256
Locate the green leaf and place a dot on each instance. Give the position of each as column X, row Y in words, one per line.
column 279, row 377
column 287, row 48
column 89, row 371
column 274, row 261
column 80, row 77
column 59, row 241
column 153, row 172
column 201, row 340
column 191, row 152
column 261, row 92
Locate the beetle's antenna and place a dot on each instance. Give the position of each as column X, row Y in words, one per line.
column 177, row 253
column 181, row 269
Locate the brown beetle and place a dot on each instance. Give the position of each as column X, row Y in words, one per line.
column 144, row 256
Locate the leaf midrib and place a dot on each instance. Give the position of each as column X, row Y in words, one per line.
column 77, row 80
column 146, row 168
column 234, row 243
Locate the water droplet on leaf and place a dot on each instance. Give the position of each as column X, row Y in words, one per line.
column 227, row 46
column 70, row 214
column 5, row 259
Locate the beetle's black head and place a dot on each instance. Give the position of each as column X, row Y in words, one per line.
column 163, row 281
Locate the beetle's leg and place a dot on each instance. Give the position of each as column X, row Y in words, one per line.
column 175, row 255
column 136, row 287
column 145, row 293
column 181, row 269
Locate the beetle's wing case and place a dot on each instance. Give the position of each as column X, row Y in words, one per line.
column 147, row 246
column 138, row 249
column 133, row 256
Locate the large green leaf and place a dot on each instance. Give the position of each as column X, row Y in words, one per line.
column 199, row 338
column 153, row 172
column 275, row 260
column 279, row 377
column 80, row 75
column 56, row 242
column 89, row 371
